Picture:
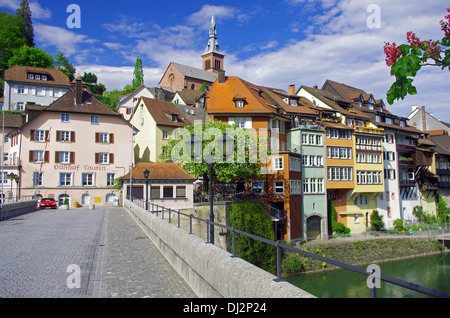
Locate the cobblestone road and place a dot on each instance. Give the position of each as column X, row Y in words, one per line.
column 114, row 257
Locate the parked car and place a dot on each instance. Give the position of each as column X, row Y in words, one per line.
column 47, row 203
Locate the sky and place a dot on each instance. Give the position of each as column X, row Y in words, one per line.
column 274, row 43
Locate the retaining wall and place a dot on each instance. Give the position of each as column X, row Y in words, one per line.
column 210, row 271
column 18, row 208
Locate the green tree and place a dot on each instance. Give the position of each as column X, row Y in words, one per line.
column 10, row 37
column 138, row 79
column 407, row 59
column 241, row 166
column 31, row 56
column 91, row 80
column 24, row 13
column 62, row 63
column 376, row 221
column 252, row 217
column 443, row 211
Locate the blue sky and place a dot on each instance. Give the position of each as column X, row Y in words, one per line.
column 268, row 42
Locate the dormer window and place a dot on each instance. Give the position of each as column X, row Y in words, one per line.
column 30, row 76
column 293, row 101
column 402, row 123
column 37, row 77
column 174, row 118
column 239, row 104
column 44, row 77
column 370, row 105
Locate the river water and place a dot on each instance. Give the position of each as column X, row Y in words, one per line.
column 431, row 271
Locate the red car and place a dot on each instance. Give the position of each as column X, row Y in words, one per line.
column 47, row 203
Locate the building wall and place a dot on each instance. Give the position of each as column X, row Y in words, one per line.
column 12, row 97
column 84, row 148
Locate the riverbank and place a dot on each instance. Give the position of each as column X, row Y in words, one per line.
column 358, row 253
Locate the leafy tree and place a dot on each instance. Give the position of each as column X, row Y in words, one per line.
column 10, row 37
column 24, row 13
column 91, row 80
column 31, row 56
column 443, row 211
column 252, row 217
column 62, row 63
column 376, row 221
column 407, row 59
column 241, row 166
column 138, row 79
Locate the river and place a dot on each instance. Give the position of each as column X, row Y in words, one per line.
column 431, row 271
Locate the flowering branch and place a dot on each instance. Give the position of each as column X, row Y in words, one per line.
column 407, row 59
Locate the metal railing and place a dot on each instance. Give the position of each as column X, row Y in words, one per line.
column 154, row 208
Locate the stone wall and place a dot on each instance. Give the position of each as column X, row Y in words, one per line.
column 209, row 270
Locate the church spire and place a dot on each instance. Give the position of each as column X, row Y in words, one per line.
column 212, row 57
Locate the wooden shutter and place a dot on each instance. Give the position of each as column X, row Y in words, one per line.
column 111, row 138
column 31, row 156
column 57, row 157
column 32, row 134
column 97, row 137
column 46, row 135
column 46, row 157
column 111, row 158
column 72, row 136
column 72, row 157
column 97, row 158
column 58, row 135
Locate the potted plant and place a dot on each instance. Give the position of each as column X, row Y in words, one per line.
column 65, row 205
column 76, row 204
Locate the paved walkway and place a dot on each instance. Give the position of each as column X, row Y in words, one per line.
column 99, row 253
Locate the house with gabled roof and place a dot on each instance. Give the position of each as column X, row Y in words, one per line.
column 127, row 103
column 24, row 84
column 156, row 120
column 73, row 149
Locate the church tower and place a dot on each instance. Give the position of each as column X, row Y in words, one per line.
column 212, row 57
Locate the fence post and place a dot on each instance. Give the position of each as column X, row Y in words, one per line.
column 207, row 230
column 170, row 212
column 278, row 260
column 178, row 218
column 190, row 223
column 234, row 241
column 162, row 212
column 373, row 290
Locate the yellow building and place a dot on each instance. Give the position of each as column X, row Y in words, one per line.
column 156, row 121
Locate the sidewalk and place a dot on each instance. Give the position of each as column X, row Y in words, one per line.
column 135, row 268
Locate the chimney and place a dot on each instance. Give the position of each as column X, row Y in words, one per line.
column 424, row 119
column 315, row 86
column 292, row 89
column 78, row 91
column 221, row 77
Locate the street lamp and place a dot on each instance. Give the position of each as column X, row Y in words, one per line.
column 194, row 146
column 146, row 174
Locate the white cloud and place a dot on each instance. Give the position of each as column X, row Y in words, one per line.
column 65, row 41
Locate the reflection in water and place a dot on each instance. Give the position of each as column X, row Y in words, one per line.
column 429, row 271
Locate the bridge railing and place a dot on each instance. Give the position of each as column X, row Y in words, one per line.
column 166, row 213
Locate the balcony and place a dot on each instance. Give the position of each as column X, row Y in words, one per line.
column 277, row 215
column 443, row 172
column 365, row 130
column 407, row 183
column 444, row 184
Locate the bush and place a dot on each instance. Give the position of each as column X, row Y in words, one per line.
column 376, row 221
column 398, row 225
column 252, row 217
column 292, row 264
column 340, row 229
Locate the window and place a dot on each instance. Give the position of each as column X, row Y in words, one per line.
column 65, row 179
column 257, row 187
column 65, row 118
column 239, row 104
column 38, row 156
column 361, row 200
column 39, row 135
column 295, row 187
column 155, row 192
column 240, row 122
column 278, row 187
column 165, row 134
column 278, row 164
column 94, row 120
column 64, row 136
column 21, row 90
column 37, row 77
column 181, row 191
column 20, row 106
column 40, row 91
column 37, row 179
column 87, row 179
column 64, row 157
column 30, row 76
column 168, row 192
column 44, row 77
column 313, row 185
column 103, row 158
column 110, row 179
column 294, row 164
column 103, row 137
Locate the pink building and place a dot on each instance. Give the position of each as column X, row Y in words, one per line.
column 74, row 148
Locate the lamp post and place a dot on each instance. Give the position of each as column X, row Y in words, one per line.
column 146, row 173
column 194, row 146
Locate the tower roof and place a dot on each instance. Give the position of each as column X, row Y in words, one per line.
column 213, row 43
